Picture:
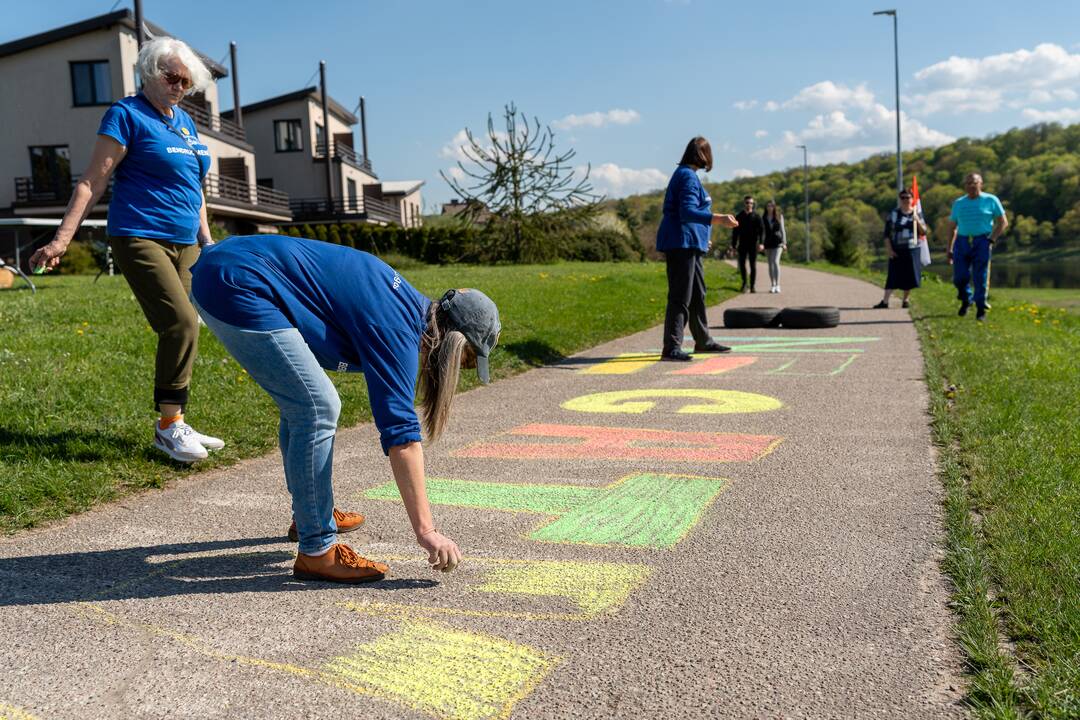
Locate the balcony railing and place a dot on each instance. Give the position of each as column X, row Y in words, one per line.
column 237, row 191
column 366, row 208
column 344, row 152
column 29, row 193
column 210, row 121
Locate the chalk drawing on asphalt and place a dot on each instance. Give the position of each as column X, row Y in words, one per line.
column 623, row 364
column 508, row 671
column 13, row 712
column 716, row 402
column 650, row 510
column 613, row 443
column 716, row 365
column 444, row 672
column 562, row 590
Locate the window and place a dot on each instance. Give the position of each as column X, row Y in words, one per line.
column 50, row 170
column 320, row 139
column 350, row 185
column 90, row 83
column 287, row 136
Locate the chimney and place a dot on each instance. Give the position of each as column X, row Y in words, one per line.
column 237, row 113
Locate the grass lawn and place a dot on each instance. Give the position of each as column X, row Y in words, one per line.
column 1005, row 400
column 76, row 368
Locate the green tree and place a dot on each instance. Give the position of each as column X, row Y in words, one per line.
column 529, row 193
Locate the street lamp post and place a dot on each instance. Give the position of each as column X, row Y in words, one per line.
column 806, row 198
column 896, row 67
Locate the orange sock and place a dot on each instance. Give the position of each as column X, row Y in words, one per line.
column 165, row 422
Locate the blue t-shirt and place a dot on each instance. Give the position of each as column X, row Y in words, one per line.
column 157, row 187
column 355, row 312
column 687, row 219
column 976, row 217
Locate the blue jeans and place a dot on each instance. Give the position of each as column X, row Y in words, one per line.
column 284, row 366
column 971, row 267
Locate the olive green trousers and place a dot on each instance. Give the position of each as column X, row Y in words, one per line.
column 159, row 275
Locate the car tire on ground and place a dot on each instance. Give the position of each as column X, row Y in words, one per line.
column 751, row 317
column 805, row 318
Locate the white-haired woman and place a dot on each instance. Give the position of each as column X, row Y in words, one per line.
column 157, row 221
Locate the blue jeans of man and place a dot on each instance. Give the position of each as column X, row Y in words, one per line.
column 971, row 267
column 284, row 366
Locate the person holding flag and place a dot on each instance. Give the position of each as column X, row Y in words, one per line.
column 905, row 228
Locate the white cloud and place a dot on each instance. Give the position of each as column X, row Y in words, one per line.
column 836, row 137
column 742, row 173
column 1064, row 115
column 1045, row 74
column 761, row 133
column 598, row 119
column 453, row 149
column 827, row 96
column 771, row 106
column 614, row 181
column 745, row 104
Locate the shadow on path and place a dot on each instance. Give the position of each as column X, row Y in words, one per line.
column 153, row 571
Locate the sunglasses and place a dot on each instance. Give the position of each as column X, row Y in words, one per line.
column 172, row 78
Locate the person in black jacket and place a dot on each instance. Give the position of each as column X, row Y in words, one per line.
column 775, row 241
column 747, row 238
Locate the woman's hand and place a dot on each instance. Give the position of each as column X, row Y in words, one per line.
column 48, row 256
column 443, row 553
column 761, row 247
column 725, row 220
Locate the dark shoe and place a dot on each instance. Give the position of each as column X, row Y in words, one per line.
column 340, row 564
column 980, row 314
column 964, row 305
column 676, row 355
column 881, row 306
column 346, row 522
column 753, row 290
column 905, row 304
column 711, row 347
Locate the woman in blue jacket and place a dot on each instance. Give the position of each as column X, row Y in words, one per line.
column 683, row 237
column 287, row 309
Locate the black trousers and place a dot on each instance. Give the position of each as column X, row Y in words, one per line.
column 748, row 253
column 686, row 298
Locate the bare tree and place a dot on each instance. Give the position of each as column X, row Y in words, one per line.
column 521, row 188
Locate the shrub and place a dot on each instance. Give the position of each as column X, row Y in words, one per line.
column 78, row 260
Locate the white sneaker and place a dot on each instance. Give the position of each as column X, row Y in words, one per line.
column 179, row 442
column 777, row 289
column 208, row 441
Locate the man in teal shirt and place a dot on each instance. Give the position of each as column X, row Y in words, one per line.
column 977, row 220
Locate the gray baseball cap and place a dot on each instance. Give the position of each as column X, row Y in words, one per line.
column 474, row 315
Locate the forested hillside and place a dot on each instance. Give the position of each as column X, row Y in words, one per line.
column 1035, row 171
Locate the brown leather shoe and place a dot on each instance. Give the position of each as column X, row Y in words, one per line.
column 346, row 522
column 340, row 564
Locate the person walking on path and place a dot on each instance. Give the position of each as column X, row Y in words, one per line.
column 288, row 308
column 904, row 230
column 746, row 238
column 774, row 242
column 977, row 221
column 683, row 237
column 157, row 222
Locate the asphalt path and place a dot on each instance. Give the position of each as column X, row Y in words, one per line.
column 748, row 535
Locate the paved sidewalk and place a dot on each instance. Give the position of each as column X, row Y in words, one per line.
column 747, row 535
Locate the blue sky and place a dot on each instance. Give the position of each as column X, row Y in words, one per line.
column 627, row 82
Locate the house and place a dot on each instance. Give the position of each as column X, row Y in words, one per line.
column 294, row 145
column 58, row 84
